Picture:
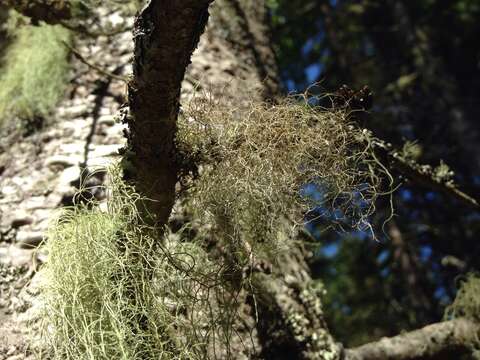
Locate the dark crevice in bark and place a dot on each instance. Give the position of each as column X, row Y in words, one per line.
column 269, row 79
column 445, row 340
column 276, row 341
column 291, row 322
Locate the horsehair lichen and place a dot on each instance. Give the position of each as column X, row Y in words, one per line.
column 257, row 158
column 34, row 73
column 100, row 259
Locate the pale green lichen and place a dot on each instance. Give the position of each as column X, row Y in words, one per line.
column 310, row 297
column 298, row 324
column 467, row 301
column 34, row 75
column 467, row 304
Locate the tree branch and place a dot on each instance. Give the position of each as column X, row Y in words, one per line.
column 441, row 340
column 165, row 34
column 357, row 102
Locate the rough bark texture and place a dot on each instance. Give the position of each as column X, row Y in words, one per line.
column 244, row 25
column 291, row 321
column 165, row 35
column 50, row 11
column 235, row 54
column 446, row 340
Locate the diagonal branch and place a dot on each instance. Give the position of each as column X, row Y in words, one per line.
column 447, row 340
column 357, row 102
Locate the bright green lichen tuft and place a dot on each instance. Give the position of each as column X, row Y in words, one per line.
column 34, row 73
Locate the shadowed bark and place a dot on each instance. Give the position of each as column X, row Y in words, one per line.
column 50, row 11
column 165, row 35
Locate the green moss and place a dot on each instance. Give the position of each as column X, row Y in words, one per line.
column 34, row 73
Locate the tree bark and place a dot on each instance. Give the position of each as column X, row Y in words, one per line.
column 445, row 340
column 165, row 35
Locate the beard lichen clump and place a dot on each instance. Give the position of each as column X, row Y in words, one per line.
column 34, row 73
column 113, row 290
column 257, row 159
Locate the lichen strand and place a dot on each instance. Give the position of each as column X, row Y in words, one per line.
column 97, row 260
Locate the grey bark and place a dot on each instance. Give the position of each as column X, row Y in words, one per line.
column 165, row 35
column 445, row 340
